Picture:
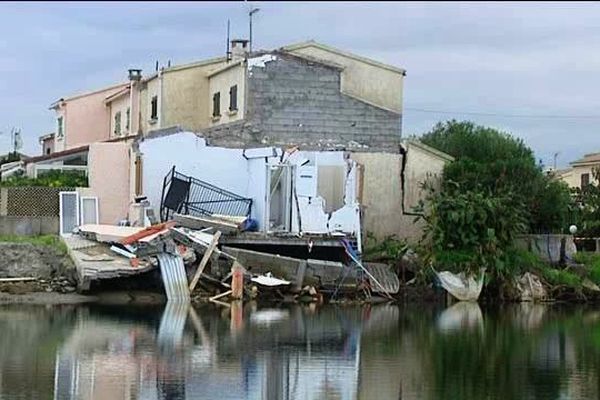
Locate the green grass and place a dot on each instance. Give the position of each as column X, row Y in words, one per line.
column 43, row 240
column 592, row 264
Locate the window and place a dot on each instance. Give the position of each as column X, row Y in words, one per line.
column 233, row 98
column 47, row 150
column 217, row 104
column 60, row 130
column 128, row 120
column 585, row 180
column 154, row 108
column 117, row 130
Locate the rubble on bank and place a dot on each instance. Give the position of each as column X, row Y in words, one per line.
column 197, row 258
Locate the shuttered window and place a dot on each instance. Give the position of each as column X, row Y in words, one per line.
column 233, row 106
column 217, row 104
column 154, row 108
column 585, row 180
column 117, row 130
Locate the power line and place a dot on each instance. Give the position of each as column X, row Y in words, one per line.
column 490, row 114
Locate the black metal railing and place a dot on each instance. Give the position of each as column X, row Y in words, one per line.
column 187, row 195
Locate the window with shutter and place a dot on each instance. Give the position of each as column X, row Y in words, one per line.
column 585, row 180
column 233, row 98
column 154, row 108
column 217, row 104
column 117, row 130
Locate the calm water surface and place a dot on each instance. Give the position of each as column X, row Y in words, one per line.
column 299, row 352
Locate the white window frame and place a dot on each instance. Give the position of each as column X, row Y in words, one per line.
column 95, row 199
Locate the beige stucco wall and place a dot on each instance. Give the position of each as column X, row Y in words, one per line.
column 185, row 97
column 147, row 91
column 221, row 83
column 86, row 119
column 121, row 104
column 381, row 196
column 109, row 179
column 374, row 84
column 382, row 191
column 573, row 177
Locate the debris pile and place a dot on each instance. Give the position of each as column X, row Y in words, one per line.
column 213, row 258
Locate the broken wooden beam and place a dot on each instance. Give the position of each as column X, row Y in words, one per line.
column 220, row 295
column 23, row 279
column 192, row 240
column 205, row 258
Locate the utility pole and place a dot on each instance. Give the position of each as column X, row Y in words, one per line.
column 250, row 13
column 555, row 156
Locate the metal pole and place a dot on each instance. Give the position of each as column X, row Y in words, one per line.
column 254, row 10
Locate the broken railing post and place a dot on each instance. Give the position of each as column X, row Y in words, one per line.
column 237, row 281
column 205, row 258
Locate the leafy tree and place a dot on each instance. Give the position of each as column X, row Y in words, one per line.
column 494, row 162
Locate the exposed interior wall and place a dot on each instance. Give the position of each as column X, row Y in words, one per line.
column 374, row 84
column 292, row 101
column 221, row 83
column 225, row 168
column 312, row 211
column 185, row 97
column 109, row 179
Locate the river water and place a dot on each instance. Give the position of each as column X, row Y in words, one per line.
column 384, row 352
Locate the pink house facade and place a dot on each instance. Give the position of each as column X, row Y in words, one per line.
column 83, row 119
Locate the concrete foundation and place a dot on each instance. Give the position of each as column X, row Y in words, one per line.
column 28, row 226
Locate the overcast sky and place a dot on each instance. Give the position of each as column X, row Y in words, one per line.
column 532, row 69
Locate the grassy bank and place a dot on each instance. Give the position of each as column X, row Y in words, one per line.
column 53, row 241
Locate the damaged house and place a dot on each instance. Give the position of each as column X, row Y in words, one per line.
column 305, row 140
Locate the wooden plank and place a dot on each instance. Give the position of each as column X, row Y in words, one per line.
column 192, row 241
column 227, row 293
column 205, row 259
column 24, row 279
column 196, row 223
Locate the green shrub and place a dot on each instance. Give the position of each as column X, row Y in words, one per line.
column 494, row 162
column 388, row 249
column 51, row 178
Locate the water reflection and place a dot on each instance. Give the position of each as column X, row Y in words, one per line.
column 299, row 352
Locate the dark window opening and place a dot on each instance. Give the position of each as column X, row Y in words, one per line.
column 216, row 104
column 233, row 106
column 48, row 150
column 128, row 120
column 154, row 108
column 117, row 130
column 585, row 180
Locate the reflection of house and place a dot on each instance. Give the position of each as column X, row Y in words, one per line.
column 581, row 171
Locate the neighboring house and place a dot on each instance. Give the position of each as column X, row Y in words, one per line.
column 581, row 172
column 47, row 143
column 83, row 119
